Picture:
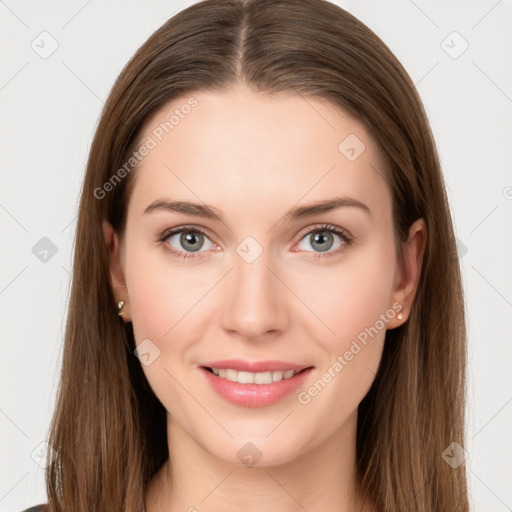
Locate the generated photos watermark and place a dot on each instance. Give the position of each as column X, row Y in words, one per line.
column 343, row 360
column 151, row 142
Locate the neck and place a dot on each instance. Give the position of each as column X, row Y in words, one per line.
column 323, row 479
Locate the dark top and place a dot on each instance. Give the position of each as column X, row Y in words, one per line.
column 37, row 508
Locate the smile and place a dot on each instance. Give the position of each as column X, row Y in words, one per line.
column 271, row 383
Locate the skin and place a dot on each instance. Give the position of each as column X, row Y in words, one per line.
column 253, row 158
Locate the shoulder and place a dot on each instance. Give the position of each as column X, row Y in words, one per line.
column 37, row 508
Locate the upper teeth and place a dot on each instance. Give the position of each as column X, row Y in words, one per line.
column 253, row 378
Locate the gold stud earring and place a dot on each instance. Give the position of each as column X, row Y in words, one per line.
column 120, row 305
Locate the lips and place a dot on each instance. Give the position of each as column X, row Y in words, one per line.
column 254, row 384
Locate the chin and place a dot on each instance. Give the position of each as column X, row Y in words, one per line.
column 258, row 451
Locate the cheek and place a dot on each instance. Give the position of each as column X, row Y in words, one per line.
column 356, row 308
column 164, row 309
column 351, row 299
column 161, row 293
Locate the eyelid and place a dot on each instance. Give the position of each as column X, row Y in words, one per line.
column 185, row 227
column 342, row 232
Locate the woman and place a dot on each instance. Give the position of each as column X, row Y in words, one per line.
column 217, row 357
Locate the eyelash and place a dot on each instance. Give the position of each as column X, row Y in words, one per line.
column 344, row 235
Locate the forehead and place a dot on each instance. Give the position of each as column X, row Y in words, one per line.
column 220, row 147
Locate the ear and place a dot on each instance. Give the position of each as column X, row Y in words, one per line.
column 116, row 269
column 408, row 272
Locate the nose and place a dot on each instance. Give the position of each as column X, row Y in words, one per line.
column 256, row 304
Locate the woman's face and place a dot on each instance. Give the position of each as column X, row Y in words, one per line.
column 261, row 278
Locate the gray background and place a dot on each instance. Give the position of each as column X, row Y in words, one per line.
column 49, row 110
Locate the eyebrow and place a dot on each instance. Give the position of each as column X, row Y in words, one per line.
column 296, row 213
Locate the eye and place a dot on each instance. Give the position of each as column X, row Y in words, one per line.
column 188, row 239
column 321, row 239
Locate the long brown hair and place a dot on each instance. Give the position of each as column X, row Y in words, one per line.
column 109, row 429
